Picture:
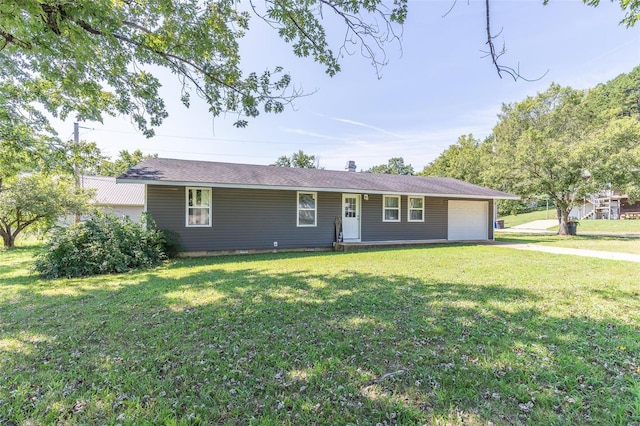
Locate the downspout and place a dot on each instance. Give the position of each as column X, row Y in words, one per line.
column 144, row 208
column 495, row 217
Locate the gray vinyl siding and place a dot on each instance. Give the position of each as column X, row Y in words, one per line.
column 245, row 219
column 434, row 226
column 251, row 219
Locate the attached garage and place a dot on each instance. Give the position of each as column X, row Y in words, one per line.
column 468, row 220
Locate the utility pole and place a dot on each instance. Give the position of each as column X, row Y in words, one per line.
column 76, row 141
column 547, row 207
column 76, row 177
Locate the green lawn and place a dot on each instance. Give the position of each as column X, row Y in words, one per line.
column 607, row 226
column 604, row 243
column 519, row 219
column 440, row 335
column 613, row 226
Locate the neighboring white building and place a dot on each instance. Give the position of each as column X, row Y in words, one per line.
column 609, row 204
column 605, row 205
column 119, row 199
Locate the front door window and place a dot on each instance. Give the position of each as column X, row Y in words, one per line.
column 350, row 207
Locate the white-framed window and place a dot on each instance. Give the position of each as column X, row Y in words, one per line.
column 391, row 208
column 415, row 209
column 198, row 205
column 307, row 208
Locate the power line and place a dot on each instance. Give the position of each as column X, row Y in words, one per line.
column 208, row 154
column 233, row 155
column 217, row 139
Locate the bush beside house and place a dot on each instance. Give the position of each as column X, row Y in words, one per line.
column 104, row 244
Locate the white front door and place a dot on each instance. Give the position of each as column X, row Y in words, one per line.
column 351, row 217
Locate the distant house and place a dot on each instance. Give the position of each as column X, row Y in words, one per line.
column 229, row 207
column 121, row 200
column 608, row 204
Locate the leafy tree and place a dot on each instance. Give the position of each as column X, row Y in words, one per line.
column 26, row 138
column 395, row 166
column 28, row 143
column 474, row 161
column 560, row 145
column 100, row 57
column 617, row 102
column 117, row 47
column 468, row 160
column 630, row 7
column 299, row 160
column 471, row 160
column 124, row 162
column 35, row 200
column 87, row 59
column 619, row 97
column 74, row 159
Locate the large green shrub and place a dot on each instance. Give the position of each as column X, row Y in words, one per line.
column 103, row 244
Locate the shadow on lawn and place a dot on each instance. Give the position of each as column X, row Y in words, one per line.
column 238, row 346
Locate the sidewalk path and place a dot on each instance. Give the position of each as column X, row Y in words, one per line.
column 540, row 225
column 573, row 251
column 535, row 227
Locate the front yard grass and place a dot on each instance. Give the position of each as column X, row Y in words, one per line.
column 438, row 335
column 604, row 226
column 519, row 219
column 611, row 226
column 588, row 242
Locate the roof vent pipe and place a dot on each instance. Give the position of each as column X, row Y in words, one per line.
column 351, row 166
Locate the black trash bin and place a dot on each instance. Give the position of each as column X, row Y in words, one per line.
column 573, row 228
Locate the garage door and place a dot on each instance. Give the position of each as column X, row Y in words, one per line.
column 468, row 220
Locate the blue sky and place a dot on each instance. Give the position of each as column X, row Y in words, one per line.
column 436, row 87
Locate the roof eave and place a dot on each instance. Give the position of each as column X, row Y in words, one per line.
column 106, row 204
column 314, row 189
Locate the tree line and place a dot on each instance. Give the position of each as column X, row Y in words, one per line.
column 560, row 145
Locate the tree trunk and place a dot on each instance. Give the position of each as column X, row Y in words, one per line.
column 563, row 219
column 8, row 240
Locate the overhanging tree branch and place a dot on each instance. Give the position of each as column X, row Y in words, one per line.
column 495, row 55
column 11, row 39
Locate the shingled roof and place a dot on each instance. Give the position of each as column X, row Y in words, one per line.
column 164, row 171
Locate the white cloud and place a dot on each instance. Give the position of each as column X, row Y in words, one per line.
column 365, row 125
column 303, row 132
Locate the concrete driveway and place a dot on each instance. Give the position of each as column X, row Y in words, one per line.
column 541, row 226
column 535, row 227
